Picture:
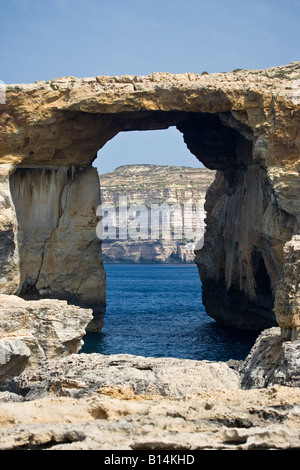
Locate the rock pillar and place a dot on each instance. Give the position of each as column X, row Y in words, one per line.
column 287, row 303
column 60, row 254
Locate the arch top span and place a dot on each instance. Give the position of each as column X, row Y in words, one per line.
column 66, row 121
column 244, row 124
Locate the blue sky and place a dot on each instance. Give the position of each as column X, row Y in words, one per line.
column 41, row 40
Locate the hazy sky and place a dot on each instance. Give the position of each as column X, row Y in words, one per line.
column 45, row 39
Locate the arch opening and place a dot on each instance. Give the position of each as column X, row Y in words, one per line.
column 178, row 312
column 163, row 187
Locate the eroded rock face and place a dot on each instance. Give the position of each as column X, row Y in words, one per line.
column 60, row 254
column 119, row 402
column 242, row 259
column 275, row 357
column 272, row 361
column 243, row 124
column 246, row 126
column 287, row 306
column 82, row 375
column 9, row 253
column 32, row 332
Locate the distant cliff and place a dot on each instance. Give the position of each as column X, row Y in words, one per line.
column 164, row 213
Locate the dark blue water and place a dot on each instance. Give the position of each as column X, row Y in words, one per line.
column 157, row 311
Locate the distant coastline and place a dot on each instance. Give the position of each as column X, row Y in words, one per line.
column 147, row 185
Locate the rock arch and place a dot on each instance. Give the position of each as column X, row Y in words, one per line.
column 234, row 123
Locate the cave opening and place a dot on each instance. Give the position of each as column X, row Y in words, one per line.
column 263, row 286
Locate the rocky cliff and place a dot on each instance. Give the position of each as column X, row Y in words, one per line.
column 149, row 188
column 245, row 126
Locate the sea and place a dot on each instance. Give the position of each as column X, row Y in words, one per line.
column 156, row 310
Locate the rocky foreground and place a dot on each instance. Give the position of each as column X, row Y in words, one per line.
column 51, row 398
column 123, row 402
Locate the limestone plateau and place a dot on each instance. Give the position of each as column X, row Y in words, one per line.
column 244, row 126
column 179, row 191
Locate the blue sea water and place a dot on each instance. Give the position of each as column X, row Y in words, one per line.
column 156, row 311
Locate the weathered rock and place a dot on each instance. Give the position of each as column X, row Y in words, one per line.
column 90, row 402
column 242, row 258
column 272, row 360
column 9, row 254
column 104, row 423
column 151, row 251
column 8, row 397
column 245, row 124
column 32, row 332
column 275, row 357
column 82, row 375
column 60, row 254
column 287, row 305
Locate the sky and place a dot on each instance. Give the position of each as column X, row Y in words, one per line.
column 41, row 40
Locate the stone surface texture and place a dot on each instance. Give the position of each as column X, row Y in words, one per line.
column 81, row 375
column 287, row 305
column 59, row 252
column 32, row 332
column 9, row 253
column 90, row 402
column 272, row 361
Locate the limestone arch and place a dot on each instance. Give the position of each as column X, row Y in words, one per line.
column 48, row 207
column 52, row 135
